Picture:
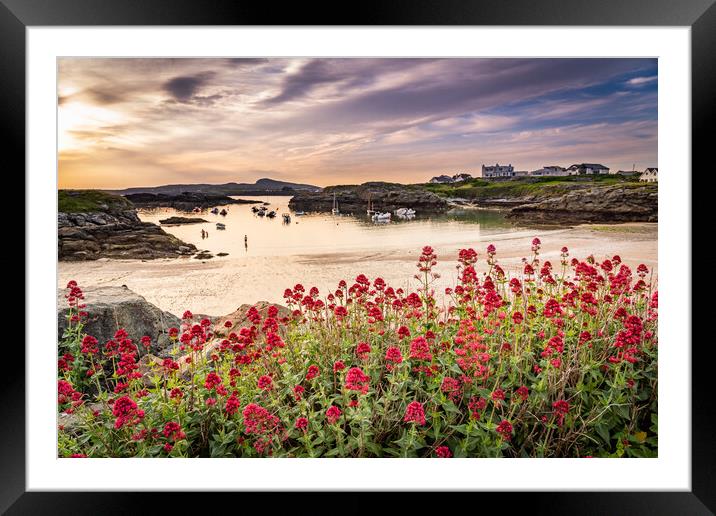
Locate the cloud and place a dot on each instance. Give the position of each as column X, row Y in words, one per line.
column 638, row 81
column 246, row 61
column 125, row 122
column 183, row 88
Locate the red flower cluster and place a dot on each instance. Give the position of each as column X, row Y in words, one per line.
column 357, row 380
column 414, row 413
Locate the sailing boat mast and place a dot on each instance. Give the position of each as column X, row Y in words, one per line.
column 335, row 211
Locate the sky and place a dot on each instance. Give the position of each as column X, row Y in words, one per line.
column 148, row 122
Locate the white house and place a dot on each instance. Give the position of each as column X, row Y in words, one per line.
column 550, row 170
column 462, row 176
column 650, row 175
column 441, row 179
column 498, row 170
column 587, row 168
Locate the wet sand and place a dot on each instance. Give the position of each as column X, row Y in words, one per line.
column 219, row 285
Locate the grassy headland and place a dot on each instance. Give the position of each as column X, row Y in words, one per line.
column 482, row 189
column 85, row 201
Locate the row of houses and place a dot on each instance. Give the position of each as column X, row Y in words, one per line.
column 577, row 169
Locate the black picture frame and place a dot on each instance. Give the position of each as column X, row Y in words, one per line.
column 699, row 15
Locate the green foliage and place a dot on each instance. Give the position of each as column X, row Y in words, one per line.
column 82, row 201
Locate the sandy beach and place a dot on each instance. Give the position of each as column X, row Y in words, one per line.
column 219, row 285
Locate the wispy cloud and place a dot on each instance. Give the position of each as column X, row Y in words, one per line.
column 638, row 81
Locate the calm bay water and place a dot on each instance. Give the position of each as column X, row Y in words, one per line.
column 324, row 233
column 322, row 249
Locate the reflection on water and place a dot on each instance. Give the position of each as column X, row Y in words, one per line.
column 248, row 234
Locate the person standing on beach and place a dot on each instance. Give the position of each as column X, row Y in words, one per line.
column 246, row 242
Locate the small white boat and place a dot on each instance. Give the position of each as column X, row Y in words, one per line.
column 404, row 212
column 381, row 216
column 335, row 210
column 220, row 225
column 299, row 213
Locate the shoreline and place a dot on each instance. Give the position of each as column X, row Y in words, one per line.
column 220, row 285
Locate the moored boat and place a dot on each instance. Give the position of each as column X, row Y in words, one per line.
column 220, row 225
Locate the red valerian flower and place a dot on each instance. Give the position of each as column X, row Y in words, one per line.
column 265, row 383
column 338, row 365
column 298, row 392
column 313, row 371
column 333, row 414
column 420, row 349
column 89, row 345
column 403, row 332
column 498, row 395
column 415, row 413
column 212, row 381
column 393, row 356
column 172, row 431
column 187, row 315
column 232, row 404
column 362, row 350
column 356, row 380
column 126, row 412
column 451, row 388
column 504, row 429
column 560, row 408
column 443, row 452
column 302, row 423
column 522, row 392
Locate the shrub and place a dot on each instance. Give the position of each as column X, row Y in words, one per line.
column 557, row 361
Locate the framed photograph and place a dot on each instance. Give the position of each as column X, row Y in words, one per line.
column 327, row 256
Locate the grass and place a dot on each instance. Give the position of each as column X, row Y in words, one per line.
column 83, row 201
column 522, row 187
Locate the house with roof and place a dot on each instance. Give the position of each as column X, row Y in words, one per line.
column 650, row 175
column 441, row 179
column 587, row 168
column 459, row 178
column 550, row 170
column 498, row 170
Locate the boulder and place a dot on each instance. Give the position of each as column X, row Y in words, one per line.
column 112, row 308
column 619, row 203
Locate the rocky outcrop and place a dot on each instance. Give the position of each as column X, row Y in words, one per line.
column 175, row 221
column 383, row 197
column 115, row 234
column 185, row 201
column 112, row 308
column 618, row 203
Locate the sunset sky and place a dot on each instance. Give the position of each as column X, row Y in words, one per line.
column 148, row 122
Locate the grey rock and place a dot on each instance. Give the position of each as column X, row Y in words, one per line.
column 112, row 308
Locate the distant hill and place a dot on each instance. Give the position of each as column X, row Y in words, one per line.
column 262, row 186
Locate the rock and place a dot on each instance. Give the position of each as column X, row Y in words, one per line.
column 116, row 233
column 222, row 254
column 618, row 203
column 185, row 201
column 383, row 197
column 112, row 308
column 182, row 220
column 204, row 255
